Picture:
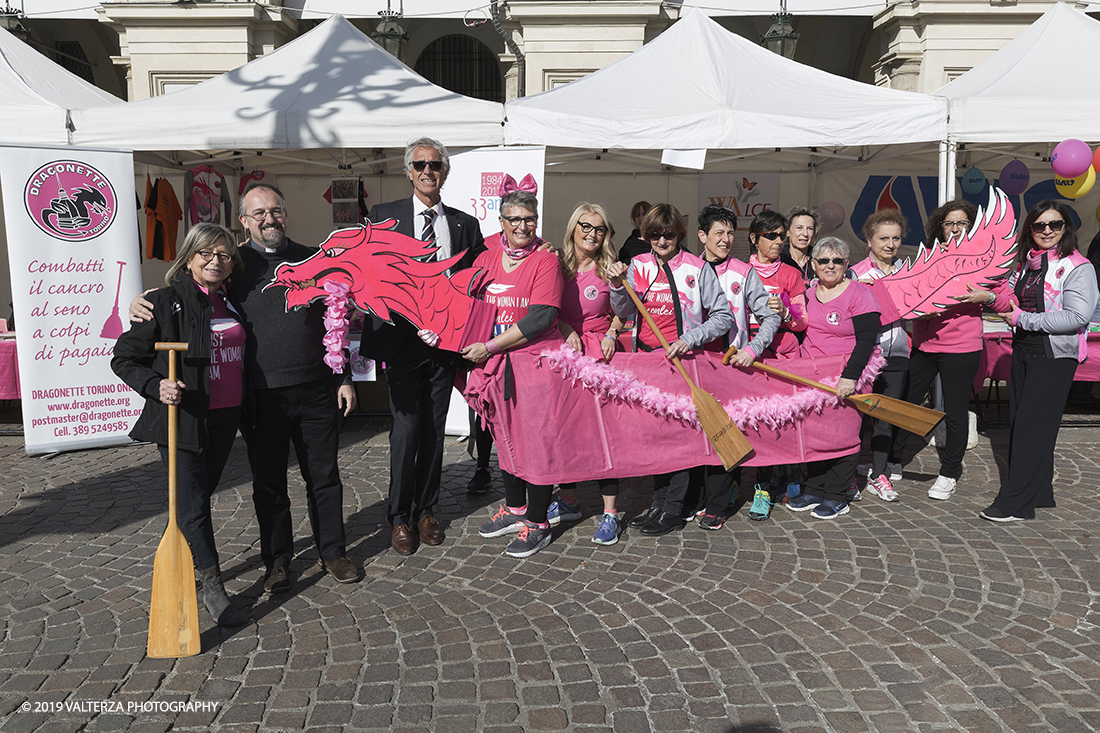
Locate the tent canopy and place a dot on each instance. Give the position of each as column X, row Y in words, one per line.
column 699, row 86
column 330, row 88
column 37, row 94
column 1027, row 92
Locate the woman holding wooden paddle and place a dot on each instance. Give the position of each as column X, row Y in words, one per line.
column 194, row 309
column 688, row 307
column 843, row 319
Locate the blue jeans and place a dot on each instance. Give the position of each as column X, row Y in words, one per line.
column 197, row 475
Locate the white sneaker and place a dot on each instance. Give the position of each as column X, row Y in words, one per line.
column 881, row 488
column 943, row 488
column 894, row 471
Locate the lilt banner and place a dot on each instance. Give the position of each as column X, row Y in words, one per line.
column 74, row 257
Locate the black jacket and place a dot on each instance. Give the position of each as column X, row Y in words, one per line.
column 398, row 342
column 181, row 312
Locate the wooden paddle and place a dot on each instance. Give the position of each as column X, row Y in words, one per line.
column 174, row 611
column 905, row 415
column 729, row 442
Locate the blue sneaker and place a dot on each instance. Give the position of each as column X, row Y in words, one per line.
column 793, row 489
column 804, row 502
column 607, row 530
column 559, row 511
column 830, row 508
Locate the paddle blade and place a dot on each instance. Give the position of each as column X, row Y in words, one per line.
column 905, row 415
column 174, row 611
column 729, row 442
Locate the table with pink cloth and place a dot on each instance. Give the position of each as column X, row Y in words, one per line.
column 996, row 360
column 9, row 370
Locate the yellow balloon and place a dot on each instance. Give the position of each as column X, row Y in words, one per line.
column 1073, row 188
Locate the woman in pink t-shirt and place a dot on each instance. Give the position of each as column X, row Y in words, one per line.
column 195, row 309
column 524, row 282
column 589, row 326
column 843, row 318
column 783, row 282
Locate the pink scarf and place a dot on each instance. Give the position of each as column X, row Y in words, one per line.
column 519, row 254
column 1035, row 258
column 764, row 271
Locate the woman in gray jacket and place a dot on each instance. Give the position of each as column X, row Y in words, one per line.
column 1056, row 290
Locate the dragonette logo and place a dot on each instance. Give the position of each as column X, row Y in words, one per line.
column 736, row 288
column 833, row 318
column 690, row 281
column 591, row 293
column 70, row 200
column 1058, row 275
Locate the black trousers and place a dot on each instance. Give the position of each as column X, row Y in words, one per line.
column 670, row 490
column 1039, row 389
column 307, row 416
column 420, row 393
column 197, row 475
column 886, row 445
column 956, row 372
column 720, row 485
column 829, row 479
column 518, row 492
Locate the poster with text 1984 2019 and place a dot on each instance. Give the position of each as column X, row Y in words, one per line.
column 75, row 265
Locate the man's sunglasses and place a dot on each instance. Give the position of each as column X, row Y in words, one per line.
column 435, row 165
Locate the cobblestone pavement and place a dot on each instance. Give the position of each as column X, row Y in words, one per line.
column 915, row 616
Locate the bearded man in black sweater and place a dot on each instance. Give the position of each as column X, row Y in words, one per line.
column 292, row 397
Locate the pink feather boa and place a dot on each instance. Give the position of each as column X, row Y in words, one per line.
column 757, row 414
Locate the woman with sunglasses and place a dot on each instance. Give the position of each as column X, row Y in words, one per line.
column 787, row 298
column 1056, row 293
column 949, row 345
column 690, row 309
column 883, row 231
column 589, row 326
column 523, row 280
column 843, row 318
column 195, row 309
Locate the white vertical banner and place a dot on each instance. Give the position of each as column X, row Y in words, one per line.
column 75, row 266
column 473, row 184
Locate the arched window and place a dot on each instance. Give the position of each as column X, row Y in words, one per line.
column 464, row 65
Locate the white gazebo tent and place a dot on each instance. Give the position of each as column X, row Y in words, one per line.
column 699, row 86
column 38, row 95
column 330, row 88
column 1027, row 91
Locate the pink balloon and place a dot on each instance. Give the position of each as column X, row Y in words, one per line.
column 831, row 215
column 1014, row 178
column 1096, row 160
column 1071, row 158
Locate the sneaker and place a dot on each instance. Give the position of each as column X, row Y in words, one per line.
column 503, row 522
column 608, row 530
column 830, row 508
column 277, row 580
column 804, row 502
column 761, row 504
column 711, row 521
column 943, row 488
column 994, row 514
column 793, row 489
column 561, row 511
column 531, row 539
column 852, row 492
column 893, row 470
column 883, row 489
column 690, row 515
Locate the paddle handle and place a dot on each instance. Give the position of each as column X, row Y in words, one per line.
column 173, row 425
column 732, row 352
column 653, row 327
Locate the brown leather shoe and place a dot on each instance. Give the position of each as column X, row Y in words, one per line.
column 430, row 531
column 402, row 540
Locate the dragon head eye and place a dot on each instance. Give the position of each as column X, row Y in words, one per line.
column 333, row 252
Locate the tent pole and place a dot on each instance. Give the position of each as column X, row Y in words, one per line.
column 948, row 153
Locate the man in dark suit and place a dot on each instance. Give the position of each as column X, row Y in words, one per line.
column 420, row 377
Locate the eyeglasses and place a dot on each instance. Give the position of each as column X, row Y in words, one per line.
column 1055, row 226
column 208, row 255
column 658, row 236
column 588, row 229
column 770, row 236
column 517, row 220
column 961, row 224
column 260, row 216
column 831, row 261
column 435, row 165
